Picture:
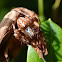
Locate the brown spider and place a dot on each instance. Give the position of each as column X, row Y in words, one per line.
column 27, row 30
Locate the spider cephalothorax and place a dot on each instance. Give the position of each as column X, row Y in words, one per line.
column 27, row 30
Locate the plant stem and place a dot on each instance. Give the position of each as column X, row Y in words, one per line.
column 55, row 10
column 40, row 8
column 56, row 4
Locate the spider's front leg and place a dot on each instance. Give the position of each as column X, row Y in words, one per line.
column 16, row 31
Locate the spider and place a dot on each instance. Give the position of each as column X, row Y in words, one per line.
column 27, row 30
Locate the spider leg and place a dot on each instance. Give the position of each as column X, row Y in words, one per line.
column 15, row 30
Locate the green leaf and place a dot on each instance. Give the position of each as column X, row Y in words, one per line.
column 32, row 55
column 53, row 34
